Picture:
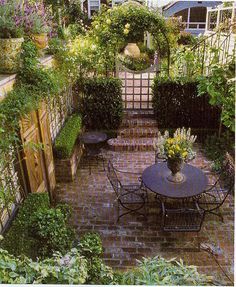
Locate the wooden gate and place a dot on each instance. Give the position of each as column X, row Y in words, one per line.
column 37, row 151
column 136, row 87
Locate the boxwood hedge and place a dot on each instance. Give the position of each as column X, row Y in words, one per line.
column 101, row 104
column 65, row 141
column 177, row 104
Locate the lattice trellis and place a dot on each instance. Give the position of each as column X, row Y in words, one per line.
column 10, row 188
column 59, row 107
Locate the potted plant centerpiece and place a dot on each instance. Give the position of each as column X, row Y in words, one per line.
column 11, row 36
column 176, row 150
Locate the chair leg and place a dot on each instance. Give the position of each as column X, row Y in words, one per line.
column 217, row 214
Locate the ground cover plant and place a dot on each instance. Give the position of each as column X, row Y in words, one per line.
column 83, row 265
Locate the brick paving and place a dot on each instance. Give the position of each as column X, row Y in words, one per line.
column 94, row 209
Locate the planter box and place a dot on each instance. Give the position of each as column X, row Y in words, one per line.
column 65, row 169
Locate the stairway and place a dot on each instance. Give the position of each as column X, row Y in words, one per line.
column 137, row 132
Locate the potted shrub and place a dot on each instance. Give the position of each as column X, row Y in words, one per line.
column 11, row 36
column 37, row 24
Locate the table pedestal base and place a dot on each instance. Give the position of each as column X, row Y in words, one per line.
column 178, row 177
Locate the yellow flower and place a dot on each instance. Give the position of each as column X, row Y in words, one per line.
column 184, row 154
column 171, row 152
column 170, row 141
column 127, row 26
column 108, row 21
column 177, row 147
column 126, row 31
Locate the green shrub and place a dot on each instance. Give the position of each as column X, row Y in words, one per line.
column 101, row 104
column 136, row 64
column 21, row 226
column 39, row 229
column 159, row 271
column 59, row 269
column 90, row 246
column 177, row 104
column 67, row 137
column 51, row 229
column 215, row 148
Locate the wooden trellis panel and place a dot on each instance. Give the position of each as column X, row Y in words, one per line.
column 35, row 134
column 47, row 146
column 33, row 155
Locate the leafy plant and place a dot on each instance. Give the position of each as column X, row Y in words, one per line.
column 37, row 19
column 40, row 229
column 59, row 269
column 101, row 104
column 90, row 246
column 176, row 104
column 215, row 148
column 51, row 229
column 11, row 19
column 221, row 92
column 67, row 137
column 21, row 226
column 159, row 271
column 136, row 64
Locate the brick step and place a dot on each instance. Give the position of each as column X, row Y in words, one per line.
column 138, row 122
column 128, row 144
column 139, row 114
column 138, row 132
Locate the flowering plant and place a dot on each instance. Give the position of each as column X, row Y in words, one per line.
column 177, row 147
column 11, row 19
column 36, row 18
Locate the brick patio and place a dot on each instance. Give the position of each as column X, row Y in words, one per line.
column 94, row 209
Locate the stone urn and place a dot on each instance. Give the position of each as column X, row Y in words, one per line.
column 132, row 50
column 175, row 165
column 40, row 40
column 10, row 50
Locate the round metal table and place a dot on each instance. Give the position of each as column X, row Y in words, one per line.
column 154, row 178
column 93, row 137
column 93, row 142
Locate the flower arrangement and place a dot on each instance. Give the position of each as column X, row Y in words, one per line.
column 177, row 147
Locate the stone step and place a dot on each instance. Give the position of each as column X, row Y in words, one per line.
column 138, row 132
column 138, row 122
column 128, row 144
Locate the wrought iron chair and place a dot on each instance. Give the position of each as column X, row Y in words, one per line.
column 185, row 218
column 213, row 198
column 131, row 197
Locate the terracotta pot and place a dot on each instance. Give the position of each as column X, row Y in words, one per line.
column 175, row 165
column 40, row 40
column 132, row 50
column 10, row 50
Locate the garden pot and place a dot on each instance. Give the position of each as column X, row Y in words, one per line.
column 40, row 40
column 132, row 50
column 10, row 50
column 175, row 165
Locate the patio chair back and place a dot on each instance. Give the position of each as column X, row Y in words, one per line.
column 112, row 176
column 216, row 195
